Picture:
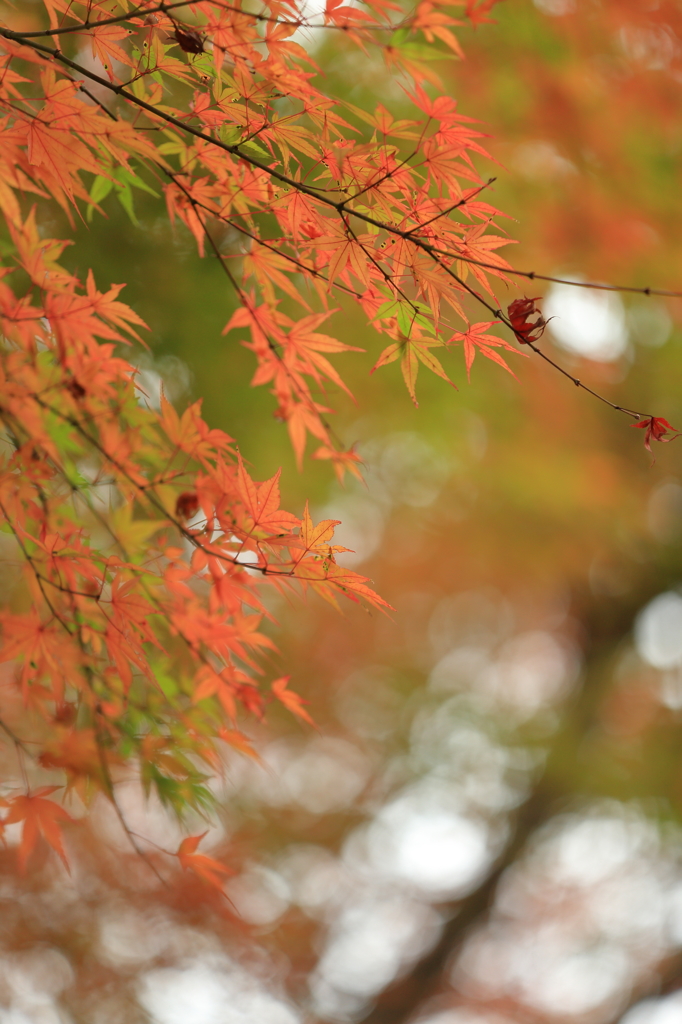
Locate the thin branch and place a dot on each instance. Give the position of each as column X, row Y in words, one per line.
column 455, row 206
column 317, row 194
column 38, row 577
column 384, row 177
column 163, row 8
column 20, row 744
column 146, row 490
column 344, row 211
column 524, row 341
column 401, row 999
column 532, row 275
column 124, row 824
column 245, row 301
column 88, row 671
column 579, row 384
column 305, row 268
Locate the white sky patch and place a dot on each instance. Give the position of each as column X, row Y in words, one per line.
column 31, row 981
column 557, row 8
column 361, row 528
column 585, row 915
column 652, row 48
column 167, row 373
column 540, row 160
column 423, row 838
column 438, row 850
column 313, row 12
column 587, row 322
column 464, row 1015
column 658, row 631
column 315, row 877
column 532, row 671
column 656, row 1011
column 220, row 993
column 371, row 939
column 261, row 896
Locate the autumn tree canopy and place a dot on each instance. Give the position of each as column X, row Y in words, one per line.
column 147, row 563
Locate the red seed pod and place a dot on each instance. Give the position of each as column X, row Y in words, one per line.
column 76, row 389
column 187, row 505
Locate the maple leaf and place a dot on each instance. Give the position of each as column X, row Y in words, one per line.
column 299, row 418
column 291, row 701
column 269, row 268
column 354, row 586
column 347, row 254
column 477, row 13
column 42, row 647
column 222, row 684
column 316, row 539
column 188, row 39
column 40, row 817
column 520, row 311
column 285, row 134
column 343, row 462
column 113, row 625
column 238, row 741
column 103, row 41
column 476, row 339
column 262, row 503
column 190, row 433
column 134, row 534
column 656, row 429
column 303, row 347
column 77, row 752
column 411, row 352
column 207, row 868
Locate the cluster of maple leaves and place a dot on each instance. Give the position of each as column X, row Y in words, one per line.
column 226, row 115
column 134, row 632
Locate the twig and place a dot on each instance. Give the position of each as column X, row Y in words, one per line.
column 344, row 211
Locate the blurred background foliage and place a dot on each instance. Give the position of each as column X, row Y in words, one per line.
column 487, row 828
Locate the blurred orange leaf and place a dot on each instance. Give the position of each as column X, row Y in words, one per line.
column 291, row 701
column 207, row 868
column 40, row 816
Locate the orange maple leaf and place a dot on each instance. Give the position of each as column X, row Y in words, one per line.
column 411, row 352
column 262, row 502
column 291, row 701
column 343, row 462
column 475, row 339
column 207, row 868
column 40, row 816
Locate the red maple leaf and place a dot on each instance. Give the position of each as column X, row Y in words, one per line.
column 656, row 428
column 188, row 39
column 520, row 311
